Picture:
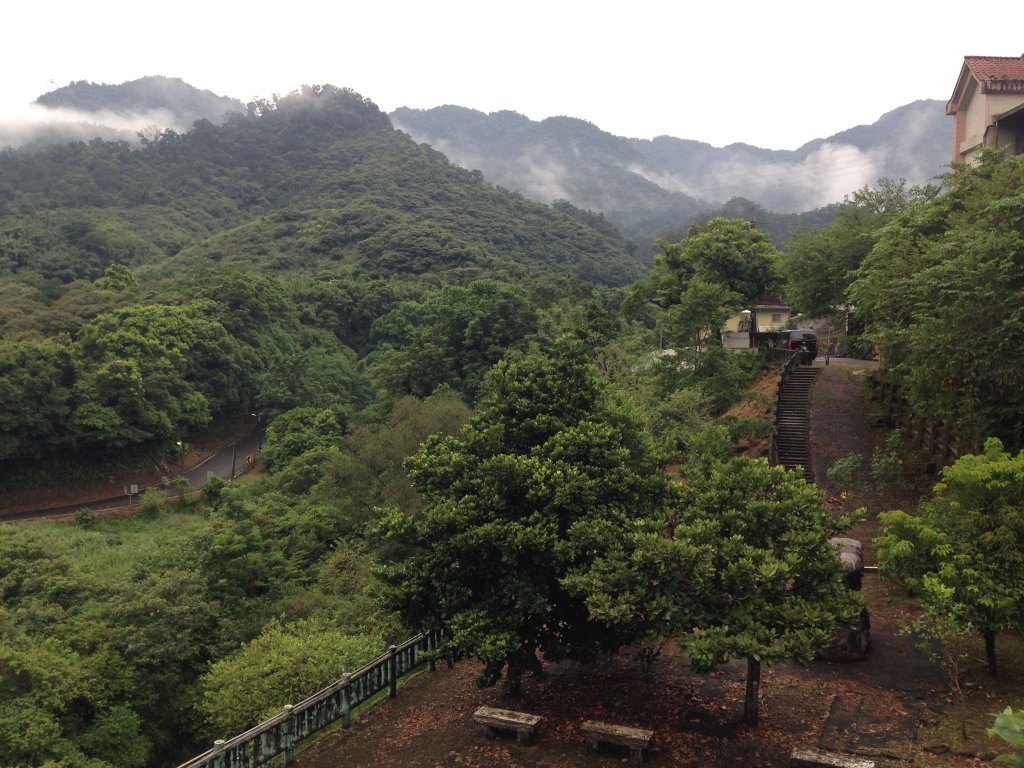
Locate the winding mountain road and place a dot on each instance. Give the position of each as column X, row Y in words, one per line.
column 237, row 457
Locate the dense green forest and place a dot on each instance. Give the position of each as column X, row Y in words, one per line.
column 147, row 291
column 453, row 377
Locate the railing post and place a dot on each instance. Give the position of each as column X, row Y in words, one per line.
column 289, row 736
column 346, row 701
column 218, row 757
column 392, row 672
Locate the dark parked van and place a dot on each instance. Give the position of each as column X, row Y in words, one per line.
column 800, row 340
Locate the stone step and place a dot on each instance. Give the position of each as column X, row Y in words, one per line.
column 792, row 420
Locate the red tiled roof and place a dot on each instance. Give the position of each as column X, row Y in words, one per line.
column 994, row 74
column 997, row 73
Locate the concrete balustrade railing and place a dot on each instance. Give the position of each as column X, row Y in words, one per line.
column 278, row 736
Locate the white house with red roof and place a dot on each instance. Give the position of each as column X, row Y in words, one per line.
column 988, row 106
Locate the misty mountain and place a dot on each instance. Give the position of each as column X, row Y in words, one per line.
column 316, row 181
column 81, row 111
column 557, row 158
column 652, row 187
column 645, row 188
column 910, row 142
column 183, row 103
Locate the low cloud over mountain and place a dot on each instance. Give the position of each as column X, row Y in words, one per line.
column 82, row 111
column 647, row 188
column 640, row 184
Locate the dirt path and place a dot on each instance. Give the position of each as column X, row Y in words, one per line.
column 845, row 421
column 840, row 418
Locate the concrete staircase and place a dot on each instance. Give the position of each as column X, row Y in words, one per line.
column 792, row 420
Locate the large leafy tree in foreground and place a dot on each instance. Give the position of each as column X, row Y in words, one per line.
column 965, row 546
column 513, row 503
column 738, row 565
column 775, row 590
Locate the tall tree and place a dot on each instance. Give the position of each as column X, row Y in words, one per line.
column 722, row 266
column 738, row 565
column 940, row 294
column 452, row 337
column 512, row 501
column 819, row 266
column 731, row 253
column 968, row 540
column 149, row 371
column 35, row 396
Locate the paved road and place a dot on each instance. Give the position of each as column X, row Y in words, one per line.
column 219, row 464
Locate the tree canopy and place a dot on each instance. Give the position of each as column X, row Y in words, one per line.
column 738, row 564
column 965, row 545
column 548, row 458
column 939, row 296
column 721, row 267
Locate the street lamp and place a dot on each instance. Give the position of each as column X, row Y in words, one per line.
column 181, row 452
column 260, row 434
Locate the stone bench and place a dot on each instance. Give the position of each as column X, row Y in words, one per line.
column 636, row 739
column 491, row 719
column 851, row 554
column 811, row 758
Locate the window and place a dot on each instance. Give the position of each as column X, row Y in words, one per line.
column 776, row 317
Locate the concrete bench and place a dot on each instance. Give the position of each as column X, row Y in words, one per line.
column 636, row 739
column 851, row 554
column 491, row 719
column 811, row 758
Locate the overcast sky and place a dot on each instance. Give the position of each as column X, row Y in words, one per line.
column 775, row 75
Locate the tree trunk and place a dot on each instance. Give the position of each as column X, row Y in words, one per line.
column 990, row 651
column 751, row 705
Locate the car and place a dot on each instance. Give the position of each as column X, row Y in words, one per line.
column 800, row 339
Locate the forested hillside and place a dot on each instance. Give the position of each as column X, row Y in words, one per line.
column 470, row 401
column 306, row 263
column 143, row 287
column 656, row 188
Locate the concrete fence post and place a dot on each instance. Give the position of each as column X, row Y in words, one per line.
column 289, row 735
column 392, row 671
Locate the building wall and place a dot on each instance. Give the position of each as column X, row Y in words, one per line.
column 735, row 340
column 979, row 115
column 737, row 323
column 771, row 319
column 976, row 118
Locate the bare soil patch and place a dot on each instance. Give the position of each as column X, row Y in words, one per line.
column 757, row 406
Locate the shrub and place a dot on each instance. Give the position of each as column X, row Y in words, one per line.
column 847, row 472
column 886, row 464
